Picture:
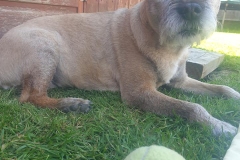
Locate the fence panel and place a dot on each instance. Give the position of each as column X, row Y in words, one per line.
column 122, row 4
column 69, row 3
column 112, row 5
column 107, row 5
column 133, row 2
column 91, row 6
column 102, row 5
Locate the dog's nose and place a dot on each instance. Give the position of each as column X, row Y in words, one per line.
column 190, row 11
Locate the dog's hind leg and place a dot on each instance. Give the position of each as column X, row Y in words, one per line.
column 38, row 74
column 29, row 57
column 35, row 92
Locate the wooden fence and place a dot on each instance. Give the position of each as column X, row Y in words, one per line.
column 107, row 5
column 15, row 12
column 79, row 6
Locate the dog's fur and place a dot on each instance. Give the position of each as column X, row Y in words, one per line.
column 132, row 50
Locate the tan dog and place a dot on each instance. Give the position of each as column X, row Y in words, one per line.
column 132, row 50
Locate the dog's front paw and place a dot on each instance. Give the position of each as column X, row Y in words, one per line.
column 77, row 105
column 230, row 93
column 220, row 127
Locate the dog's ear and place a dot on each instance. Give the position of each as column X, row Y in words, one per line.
column 154, row 6
column 154, row 11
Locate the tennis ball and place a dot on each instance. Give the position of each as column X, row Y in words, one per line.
column 154, row 152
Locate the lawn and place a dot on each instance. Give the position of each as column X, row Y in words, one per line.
column 230, row 26
column 112, row 129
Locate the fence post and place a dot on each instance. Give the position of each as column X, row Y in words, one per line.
column 81, row 6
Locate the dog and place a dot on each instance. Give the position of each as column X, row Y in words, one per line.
column 134, row 51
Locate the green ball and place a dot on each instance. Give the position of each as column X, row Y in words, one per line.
column 154, row 152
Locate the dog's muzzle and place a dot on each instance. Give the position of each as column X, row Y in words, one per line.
column 190, row 11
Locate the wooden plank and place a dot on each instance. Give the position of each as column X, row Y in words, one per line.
column 81, row 6
column 200, row 62
column 70, row 3
column 133, row 3
column 122, row 4
column 116, row 4
column 42, row 7
column 91, row 6
column 112, row 5
column 103, row 5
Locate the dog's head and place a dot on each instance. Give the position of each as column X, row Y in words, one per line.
column 183, row 22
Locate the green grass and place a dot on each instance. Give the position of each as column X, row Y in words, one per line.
column 230, row 27
column 111, row 130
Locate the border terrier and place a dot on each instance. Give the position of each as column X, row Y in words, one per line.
column 132, row 50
